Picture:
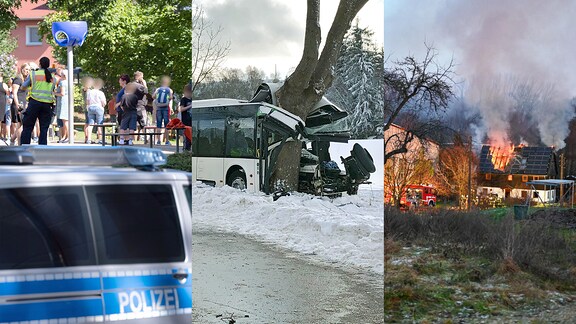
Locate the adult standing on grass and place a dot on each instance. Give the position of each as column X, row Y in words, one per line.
column 36, row 131
column 184, row 108
column 40, row 103
column 123, row 81
column 163, row 97
column 139, row 78
column 19, row 103
column 129, row 105
column 87, row 83
column 140, row 91
column 6, row 99
column 96, row 101
column 62, row 110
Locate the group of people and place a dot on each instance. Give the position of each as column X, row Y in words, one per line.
column 36, row 97
column 14, row 100
column 29, row 102
column 132, row 105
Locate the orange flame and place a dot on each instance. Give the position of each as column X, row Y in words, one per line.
column 501, row 156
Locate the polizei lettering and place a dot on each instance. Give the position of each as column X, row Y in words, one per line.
column 137, row 301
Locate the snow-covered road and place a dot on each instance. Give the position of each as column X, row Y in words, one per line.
column 347, row 231
column 234, row 274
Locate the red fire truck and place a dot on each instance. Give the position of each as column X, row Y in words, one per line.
column 420, row 194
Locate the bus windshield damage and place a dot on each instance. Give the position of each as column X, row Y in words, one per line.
column 237, row 143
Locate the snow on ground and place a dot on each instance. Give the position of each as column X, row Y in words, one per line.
column 347, row 230
column 376, row 149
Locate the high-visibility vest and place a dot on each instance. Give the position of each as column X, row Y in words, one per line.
column 40, row 89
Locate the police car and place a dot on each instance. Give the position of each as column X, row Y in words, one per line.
column 84, row 240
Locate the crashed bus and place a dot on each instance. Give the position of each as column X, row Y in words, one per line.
column 237, row 143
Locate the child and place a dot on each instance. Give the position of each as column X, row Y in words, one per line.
column 163, row 97
column 7, row 118
column 185, row 105
column 95, row 102
column 128, row 103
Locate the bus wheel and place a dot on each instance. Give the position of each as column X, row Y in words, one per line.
column 237, row 180
column 431, row 203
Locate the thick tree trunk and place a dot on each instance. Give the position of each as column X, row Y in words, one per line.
column 311, row 78
column 286, row 175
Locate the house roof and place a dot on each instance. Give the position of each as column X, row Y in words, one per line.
column 31, row 11
column 532, row 160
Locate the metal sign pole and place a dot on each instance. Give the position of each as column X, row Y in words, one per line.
column 69, row 34
column 70, row 80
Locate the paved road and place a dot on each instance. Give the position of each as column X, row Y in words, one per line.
column 232, row 273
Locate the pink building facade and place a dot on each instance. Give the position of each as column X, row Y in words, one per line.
column 31, row 47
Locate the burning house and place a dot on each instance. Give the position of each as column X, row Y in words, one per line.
column 505, row 172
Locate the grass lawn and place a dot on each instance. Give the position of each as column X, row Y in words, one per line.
column 474, row 267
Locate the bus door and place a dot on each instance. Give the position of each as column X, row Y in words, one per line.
column 241, row 150
column 210, row 162
column 272, row 137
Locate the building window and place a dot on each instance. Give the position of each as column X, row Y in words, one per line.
column 509, row 177
column 524, row 194
column 524, row 178
column 33, row 38
column 488, row 176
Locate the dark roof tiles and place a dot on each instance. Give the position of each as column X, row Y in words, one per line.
column 524, row 160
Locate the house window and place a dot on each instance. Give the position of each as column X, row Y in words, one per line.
column 33, row 38
column 488, row 176
column 509, row 177
column 524, row 178
column 535, row 194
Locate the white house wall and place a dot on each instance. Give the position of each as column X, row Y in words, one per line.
column 547, row 196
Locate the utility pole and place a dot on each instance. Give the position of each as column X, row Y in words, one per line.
column 469, row 173
column 562, row 162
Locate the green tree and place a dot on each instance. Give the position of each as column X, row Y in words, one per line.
column 7, row 60
column 7, row 42
column 7, row 17
column 153, row 36
column 357, row 85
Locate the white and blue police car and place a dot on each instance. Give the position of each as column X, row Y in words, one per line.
column 83, row 240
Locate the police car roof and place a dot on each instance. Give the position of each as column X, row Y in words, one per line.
column 29, row 175
column 144, row 158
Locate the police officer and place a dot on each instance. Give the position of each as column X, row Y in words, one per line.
column 40, row 103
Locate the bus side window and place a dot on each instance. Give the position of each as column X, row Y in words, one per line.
column 240, row 137
column 211, row 137
column 194, row 146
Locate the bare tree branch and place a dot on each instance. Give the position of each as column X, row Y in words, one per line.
column 208, row 49
column 423, row 87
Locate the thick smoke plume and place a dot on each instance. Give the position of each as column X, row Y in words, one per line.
column 518, row 60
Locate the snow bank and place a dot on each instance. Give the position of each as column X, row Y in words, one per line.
column 347, row 230
column 376, row 149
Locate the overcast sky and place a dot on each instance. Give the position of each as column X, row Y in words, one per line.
column 530, row 38
column 265, row 33
column 532, row 41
